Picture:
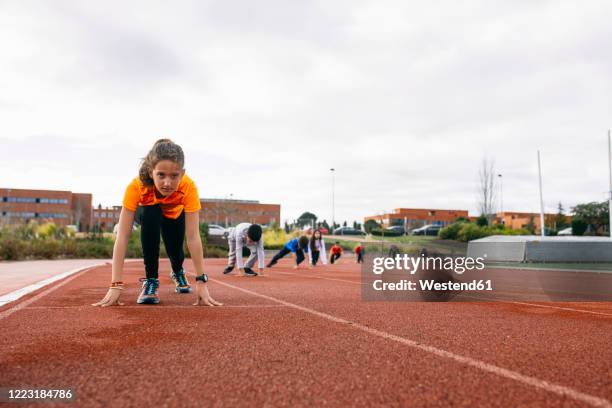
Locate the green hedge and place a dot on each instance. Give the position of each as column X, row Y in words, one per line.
column 388, row 233
column 467, row 231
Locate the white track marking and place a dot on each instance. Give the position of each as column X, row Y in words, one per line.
column 13, row 296
column 561, row 308
column 481, row 299
column 493, row 369
column 19, row 306
column 569, row 309
column 320, row 277
column 158, row 306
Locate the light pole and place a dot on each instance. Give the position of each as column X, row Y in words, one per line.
column 333, row 173
column 501, row 198
column 542, row 226
column 610, row 171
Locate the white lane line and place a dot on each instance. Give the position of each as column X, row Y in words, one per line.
column 321, row 277
column 561, row 308
column 569, row 309
column 19, row 306
column 13, row 296
column 499, row 371
column 146, row 307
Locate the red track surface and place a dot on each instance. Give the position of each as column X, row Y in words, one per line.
column 302, row 338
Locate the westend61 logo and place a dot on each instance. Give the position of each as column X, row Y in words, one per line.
column 422, row 278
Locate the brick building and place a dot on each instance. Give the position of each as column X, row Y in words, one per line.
column 517, row 220
column 231, row 212
column 413, row 218
column 105, row 218
column 18, row 206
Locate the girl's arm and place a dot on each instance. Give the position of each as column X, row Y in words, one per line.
column 126, row 219
column 323, row 253
column 194, row 243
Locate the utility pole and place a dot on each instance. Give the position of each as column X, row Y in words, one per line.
column 542, row 227
column 610, row 198
column 333, row 172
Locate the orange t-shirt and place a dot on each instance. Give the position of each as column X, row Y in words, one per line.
column 184, row 198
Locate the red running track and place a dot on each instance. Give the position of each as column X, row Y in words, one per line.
column 301, row 338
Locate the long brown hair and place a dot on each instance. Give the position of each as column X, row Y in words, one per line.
column 313, row 239
column 163, row 149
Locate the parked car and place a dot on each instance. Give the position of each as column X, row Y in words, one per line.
column 427, row 230
column 348, row 231
column 216, row 230
column 565, row 232
column 396, row 228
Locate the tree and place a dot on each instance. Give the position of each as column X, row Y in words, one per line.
column 287, row 227
column 594, row 214
column 482, row 220
column 325, row 225
column 530, row 226
column 579, row 226
column 370, row 225
column 487, row 188
column 306, row 218
column 344, row 224
column 560, row 220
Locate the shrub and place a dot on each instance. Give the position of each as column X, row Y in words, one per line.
column 579, row 226
column 388, row 233
column 451, row 231
column 482, row 221
column 469, row 232
column 11, row 248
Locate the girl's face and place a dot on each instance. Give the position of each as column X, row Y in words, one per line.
column 166, row 176
column 317, row 235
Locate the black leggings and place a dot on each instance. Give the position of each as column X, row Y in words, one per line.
column 334, row 258
column 299, row 256
column 315, row 257
column 152, row 223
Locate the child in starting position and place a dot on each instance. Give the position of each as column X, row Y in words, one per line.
column 317, row 249
column 168, row 204
column 359, row 251
column 336, row 252
column 245, row 235
column 297, row 246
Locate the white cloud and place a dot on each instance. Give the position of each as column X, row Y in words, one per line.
column 403, row 98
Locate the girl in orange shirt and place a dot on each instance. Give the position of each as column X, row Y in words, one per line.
column 167, row 201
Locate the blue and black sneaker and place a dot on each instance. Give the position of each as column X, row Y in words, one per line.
column 148, row 294
column 180, row 280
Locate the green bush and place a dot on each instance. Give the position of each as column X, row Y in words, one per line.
column 451, row 231
column 469, row 232
column 482, row 221
column 388, row 233
column 11, row 248
column 579, row 226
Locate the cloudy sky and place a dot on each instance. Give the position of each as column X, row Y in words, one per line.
column 403, row 98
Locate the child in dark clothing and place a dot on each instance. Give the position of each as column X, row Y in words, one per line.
column 297, row 246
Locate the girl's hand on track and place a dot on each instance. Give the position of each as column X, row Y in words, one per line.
column 204, row 297
column 111, row 298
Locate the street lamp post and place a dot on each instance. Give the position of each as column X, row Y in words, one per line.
column 333, row 172
column 501, row 197
column 610, row 174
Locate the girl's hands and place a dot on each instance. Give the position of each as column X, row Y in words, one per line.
column 111, row 298
column 203, row 297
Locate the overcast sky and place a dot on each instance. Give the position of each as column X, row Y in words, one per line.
column 402, row 98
